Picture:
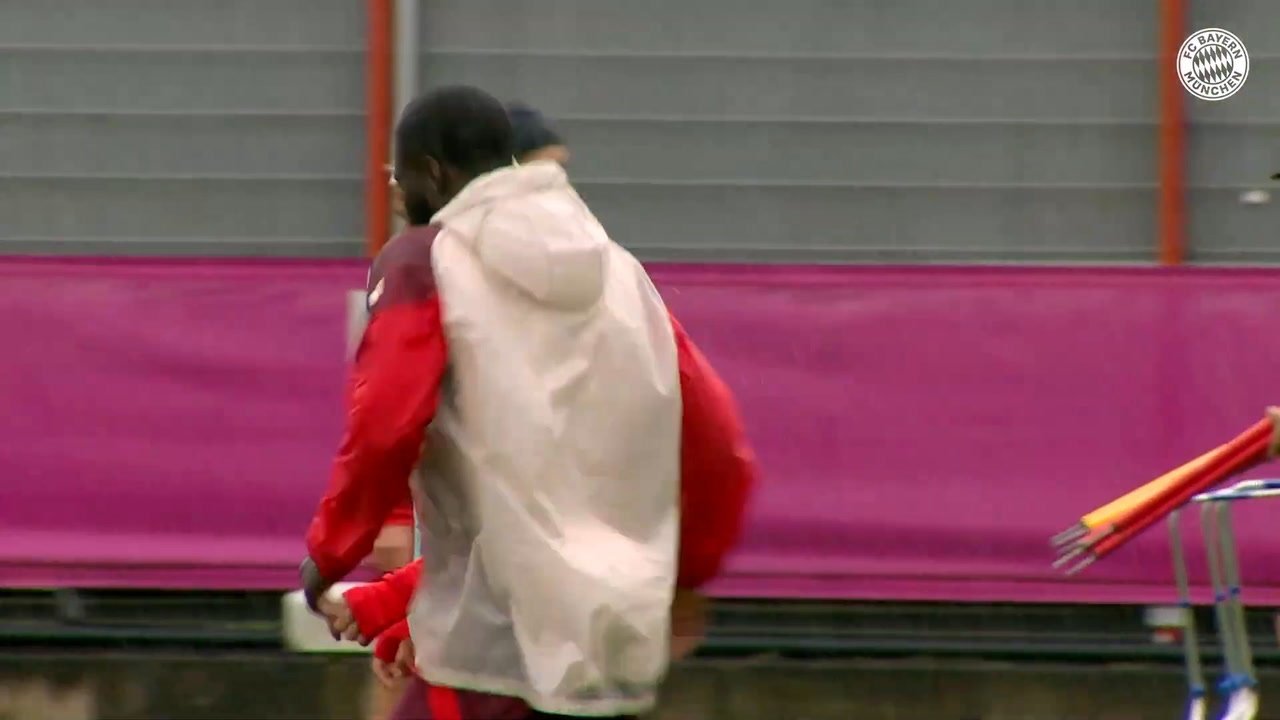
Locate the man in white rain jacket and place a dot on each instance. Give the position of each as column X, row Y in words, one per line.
column 561, row 405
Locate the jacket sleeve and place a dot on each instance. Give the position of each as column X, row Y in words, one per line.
column 402, row 513
column 392, row 398
column 717, row 467
column 377, row 606
column 388, row 643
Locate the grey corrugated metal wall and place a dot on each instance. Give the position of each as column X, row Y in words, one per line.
column 931, row 130
column 837, row 130
column 1235, row 143
column 182, row 126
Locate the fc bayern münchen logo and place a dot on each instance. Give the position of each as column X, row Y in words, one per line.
column 1213, row 64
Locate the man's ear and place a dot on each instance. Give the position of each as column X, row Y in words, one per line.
column 433, row 171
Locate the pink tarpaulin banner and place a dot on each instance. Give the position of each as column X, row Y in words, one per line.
column 922, row 431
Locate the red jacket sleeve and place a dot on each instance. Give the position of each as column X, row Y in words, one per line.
column 379, row 605
column 717, row 467
column 402, row 514
column 388, row 643
column 393, row 396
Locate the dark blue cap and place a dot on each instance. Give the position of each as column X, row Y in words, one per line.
column 529, row 130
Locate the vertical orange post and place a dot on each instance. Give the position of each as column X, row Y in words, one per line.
column 378, row 100
column 1172, row 204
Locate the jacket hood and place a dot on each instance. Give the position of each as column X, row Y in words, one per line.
column 528, row 225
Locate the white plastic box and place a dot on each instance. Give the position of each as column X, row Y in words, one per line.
column 304, row 631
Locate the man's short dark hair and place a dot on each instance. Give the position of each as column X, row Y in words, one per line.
column 460, row 126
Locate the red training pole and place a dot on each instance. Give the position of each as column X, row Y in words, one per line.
column 1172, row 211
column 378, row 101
column 1258, row 432
column 1240, row 461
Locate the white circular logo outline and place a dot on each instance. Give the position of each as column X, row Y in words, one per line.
column 1213, row 64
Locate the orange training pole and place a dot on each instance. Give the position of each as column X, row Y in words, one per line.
column 1172, row 213
column 378, row 81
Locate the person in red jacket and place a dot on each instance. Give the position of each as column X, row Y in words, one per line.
column 492, row 509
column 392, row 549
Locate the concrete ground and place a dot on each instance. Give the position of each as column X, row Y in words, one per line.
column 278, row 686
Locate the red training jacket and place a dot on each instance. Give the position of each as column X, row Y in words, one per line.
column 392, row 397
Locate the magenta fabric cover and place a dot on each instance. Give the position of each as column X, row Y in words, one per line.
column 922, row 431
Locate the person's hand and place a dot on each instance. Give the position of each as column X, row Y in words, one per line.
column 688, row 622
column 390, row 673
column 342, row 624
column 314, row 584
column 1274, row 448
